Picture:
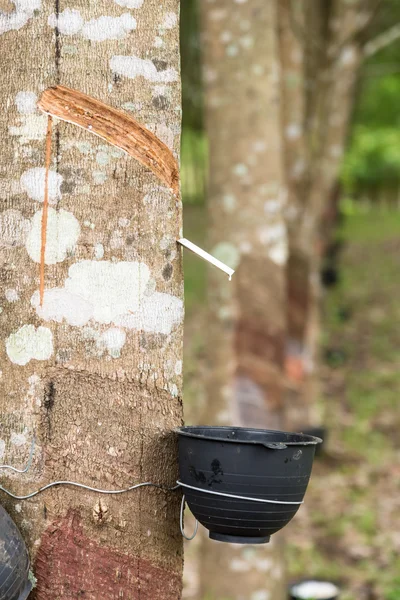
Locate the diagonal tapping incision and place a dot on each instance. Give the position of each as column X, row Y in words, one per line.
column 115, row 127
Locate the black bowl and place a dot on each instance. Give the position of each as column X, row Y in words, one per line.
column 14, row 563
column 252, row 464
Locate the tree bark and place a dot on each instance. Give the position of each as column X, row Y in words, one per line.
column 247, row 320
column 94, row 369
column 320, row 52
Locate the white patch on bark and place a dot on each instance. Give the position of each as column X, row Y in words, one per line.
column 158, row 313
column 130, row 3
column 240, row 170
column 210, row 75
column 293, row 131
column 101, row 290
column 227, row 253
column 32, row 182
column 298, row 169
column 173, row 388
column 239, row 565
column 99, row 251
column 17, row 439
column 133, row 66
column 63, row 232
column 229, row 202
column 109, row 28
column 336, row 151
column 263, row 564
column 14, row 229
column 275, row 237
column 24, row 11
column 225, row 37
column 99, row 177
column 260, row 146
column 29, row 343
column 108, row 292
column 218, row 14
column 164, row 133
column 59, row 304
column 170, row 20
column 247, row 41
column 245, row 247
column 11, row 295
column 2, row 449
column 348, row 56
column 272, row 207
column 116, row 240
column 26, row 102
column 112, row 340
column 158, row 42
column 33, row 127
column 232, row 50
column 178, row 367
column 70, row 22
column 102, row 158
column 261, row 595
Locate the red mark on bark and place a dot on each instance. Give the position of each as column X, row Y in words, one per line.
column 294, row 368
column 69, row 565
column 45, row 207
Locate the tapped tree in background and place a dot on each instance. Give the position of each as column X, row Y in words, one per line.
column 322, row 47
column 247, row 316
column 93, row 371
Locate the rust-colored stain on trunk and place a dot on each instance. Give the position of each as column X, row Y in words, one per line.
column 70, row 565
column 114, row 126
column 45, row 208
column 294, row 368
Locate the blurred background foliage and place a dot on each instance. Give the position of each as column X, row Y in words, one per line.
column 371, row 165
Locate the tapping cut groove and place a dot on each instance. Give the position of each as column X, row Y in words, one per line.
column 45, row 212
column 115, row 127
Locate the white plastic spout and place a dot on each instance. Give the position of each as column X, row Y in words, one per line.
column 206, row 256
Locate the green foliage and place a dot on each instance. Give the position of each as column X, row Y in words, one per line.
column 394, row 594
column 193, row 166
column 373, row 159
column 192, row 99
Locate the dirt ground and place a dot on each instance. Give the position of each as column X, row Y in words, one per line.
column 349, row 527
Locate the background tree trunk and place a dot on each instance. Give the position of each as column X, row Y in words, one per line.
column 247, row 318
column 95, row 371
column 320, row 55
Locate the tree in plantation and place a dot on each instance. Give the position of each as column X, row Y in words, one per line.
column 322, row 45
column 91, row 364
column 247, row 316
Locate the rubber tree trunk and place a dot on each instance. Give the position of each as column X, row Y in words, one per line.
column 247, row 317
column 320, row 55
column 95, row 372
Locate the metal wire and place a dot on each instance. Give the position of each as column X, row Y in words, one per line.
column 191, row 487
column 28, row 464
column 196, row 527
column 86, row 487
